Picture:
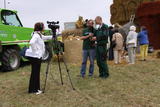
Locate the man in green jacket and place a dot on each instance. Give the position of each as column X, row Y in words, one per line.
column 88, row 48
column 101, row 37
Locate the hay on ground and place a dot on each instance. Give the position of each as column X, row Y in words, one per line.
column 158, row 54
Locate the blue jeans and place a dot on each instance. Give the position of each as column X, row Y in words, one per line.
column 91, row 54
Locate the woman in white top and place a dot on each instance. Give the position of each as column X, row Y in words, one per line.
column 132, row 44
column 35, row 54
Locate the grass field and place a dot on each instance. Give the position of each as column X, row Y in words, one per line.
column 128, row 86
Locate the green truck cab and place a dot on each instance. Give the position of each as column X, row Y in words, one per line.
column 13, row 37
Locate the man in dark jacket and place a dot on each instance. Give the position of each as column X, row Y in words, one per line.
column 143, row 42
column 101, row 49
column 111, row 32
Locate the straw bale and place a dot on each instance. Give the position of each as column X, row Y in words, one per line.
column 73, row 51
column 71, row 33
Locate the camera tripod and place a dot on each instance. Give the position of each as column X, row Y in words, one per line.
column 58, row 52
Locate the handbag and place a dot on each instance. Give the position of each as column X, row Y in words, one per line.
column 23, row 52
column 114, row 43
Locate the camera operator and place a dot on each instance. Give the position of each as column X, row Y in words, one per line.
column 35, row 54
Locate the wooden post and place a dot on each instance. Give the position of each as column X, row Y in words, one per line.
column 5, row 4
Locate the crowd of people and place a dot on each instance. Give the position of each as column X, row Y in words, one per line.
column 96, row 36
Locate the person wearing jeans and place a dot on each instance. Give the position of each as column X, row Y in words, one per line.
column 132, row 44
column 91, row 55
column 144, row 42
column 88, row 49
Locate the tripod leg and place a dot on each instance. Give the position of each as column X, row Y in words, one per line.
column 60, row 69
column 51, row 73
column 68, row 73
column 47, row 70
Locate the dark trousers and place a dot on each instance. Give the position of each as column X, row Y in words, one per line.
column 101, row 56
column 34, row 83
column 111, row 56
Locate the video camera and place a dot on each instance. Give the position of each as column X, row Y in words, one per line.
column 57, row 47
column 53, row 25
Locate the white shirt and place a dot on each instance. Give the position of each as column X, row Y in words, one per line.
column 132, row 38
column 37, row 46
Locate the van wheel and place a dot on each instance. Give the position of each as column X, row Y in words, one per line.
column 10, row 60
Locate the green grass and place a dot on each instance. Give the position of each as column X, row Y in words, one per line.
column 128, row 86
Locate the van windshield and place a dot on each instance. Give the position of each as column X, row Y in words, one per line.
column 10, row 18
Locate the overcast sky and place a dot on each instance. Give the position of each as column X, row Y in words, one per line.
column 31, row 11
